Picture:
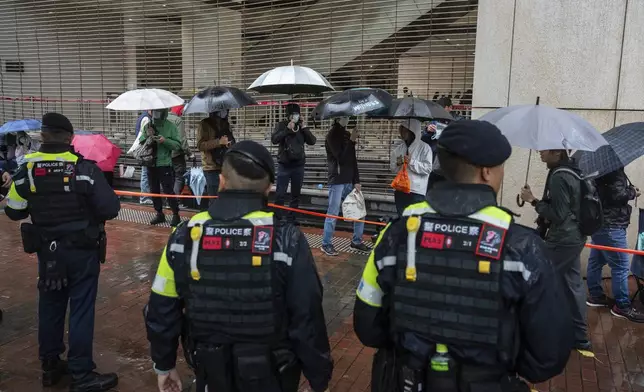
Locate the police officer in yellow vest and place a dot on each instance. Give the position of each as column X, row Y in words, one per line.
column 68, row 200
column 242, row 290
column 455, row 295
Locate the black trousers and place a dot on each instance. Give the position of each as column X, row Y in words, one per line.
column 83, row 269
column 162, row 178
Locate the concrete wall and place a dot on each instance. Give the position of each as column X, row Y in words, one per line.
column 584, row 55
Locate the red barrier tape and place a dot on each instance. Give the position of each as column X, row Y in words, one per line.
column 321, row 215
column 305, row 212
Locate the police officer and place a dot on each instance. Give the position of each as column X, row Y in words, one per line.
column 250, row 289
column 455, row 295
column 68, row 200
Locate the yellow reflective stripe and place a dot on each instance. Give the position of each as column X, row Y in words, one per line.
column 260, row 218
column 42, row 157
column 164, row 283
column 199, row 219
column 418, row 209
column 494, row 216
column 14, row 200
column 368, row 290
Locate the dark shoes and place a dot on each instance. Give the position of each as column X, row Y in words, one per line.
column 362, row 247
column 94, row 382
column 176, row 219
column 160, row 218
column 583, row 345
column 52, row 371
column 630, row 314
column 329, row 250
column 600, row 302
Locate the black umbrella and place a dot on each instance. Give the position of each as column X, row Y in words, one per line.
column 417, row 108
column 218, row 98
column 625, row 144
column 353, row 102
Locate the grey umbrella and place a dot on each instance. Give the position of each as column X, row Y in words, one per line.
column 540, row 127
column 625, row 144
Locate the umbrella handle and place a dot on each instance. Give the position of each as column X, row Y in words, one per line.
column 520, row 202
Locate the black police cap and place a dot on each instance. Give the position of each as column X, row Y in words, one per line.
column 256, row 153
column 52, row 122
column 479, row 143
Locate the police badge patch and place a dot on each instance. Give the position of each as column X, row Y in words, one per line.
column 490, row 241
column 262, row 240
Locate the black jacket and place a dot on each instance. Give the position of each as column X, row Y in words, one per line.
column 615, row 191
column 544, row 333
column 290, row 141
column 341, row 159
column 306, row 330
column 104, row 204
column 560, row 206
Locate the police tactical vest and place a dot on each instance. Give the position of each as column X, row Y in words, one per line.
column 53, row 189
column 448, row 277
column 229, row 283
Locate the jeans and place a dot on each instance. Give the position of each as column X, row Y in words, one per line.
column 618, row 262
column 404, row 200
column 294, row 175
column 162, row 178
column 566, row 261
column 83, row 269
column 337, row 193
column 212, row 183
column 179, row 168
column 145, row 184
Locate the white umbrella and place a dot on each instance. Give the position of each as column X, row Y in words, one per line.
column 292, row 79
column 145, row 99
column 540, row 127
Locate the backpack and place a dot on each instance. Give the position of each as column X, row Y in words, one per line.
column 591, row 214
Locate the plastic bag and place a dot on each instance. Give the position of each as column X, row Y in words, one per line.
column 354, row 206
column 401, row 182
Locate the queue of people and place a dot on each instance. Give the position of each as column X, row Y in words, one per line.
column 239, row 289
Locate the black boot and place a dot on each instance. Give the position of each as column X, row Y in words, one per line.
column 176, row 219
column 160, row 218
column 52, row 371
column 94, row 382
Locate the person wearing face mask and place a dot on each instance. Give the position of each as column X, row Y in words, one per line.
column 161, row 175
column 342, row 163
column 418, row 156
column 214, row 138
column 291, row 135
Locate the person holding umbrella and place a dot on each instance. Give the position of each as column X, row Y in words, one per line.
column 214, row 138
column 615, row 191
column 418, row 157
column 161, row 176
column 291, row 135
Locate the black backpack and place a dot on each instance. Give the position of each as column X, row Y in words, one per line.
column 591, row 214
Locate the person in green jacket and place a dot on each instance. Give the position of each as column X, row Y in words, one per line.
column 161, row 175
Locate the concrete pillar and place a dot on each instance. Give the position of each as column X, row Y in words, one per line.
column 583, row 55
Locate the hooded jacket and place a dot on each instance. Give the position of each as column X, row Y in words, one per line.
column 420, row 158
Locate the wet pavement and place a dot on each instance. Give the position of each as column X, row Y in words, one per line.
column 120, row 343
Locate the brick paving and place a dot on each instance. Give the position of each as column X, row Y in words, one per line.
column 121, row 346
